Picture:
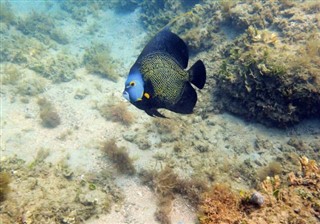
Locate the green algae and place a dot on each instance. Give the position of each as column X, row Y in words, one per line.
column 4, row 185
column 48, row 114
column 97, row 59
column 42, row 26
column 119, row 156
column 57, row 197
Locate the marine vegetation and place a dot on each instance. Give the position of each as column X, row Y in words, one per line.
column 158, row 78
column 20, row 49
column 264, row 58
column 124, row 5
column 119, row 157
column 42, row 154
column 117, row 113
column 59, row 67
column 57, row 197
column 97, row 59
column 10, row 74
column 80, row 10
column 219, row 205
column 4, row 185
column 297, row 199
column 273, row 86
column 156, row 14
column 166, row 184
column 48, row 114
column 264, row 76
column 272, row 169
column 169, row 129
column 42, row 26
column 6, row 14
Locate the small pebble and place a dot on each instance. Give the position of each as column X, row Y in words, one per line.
column 257, row 199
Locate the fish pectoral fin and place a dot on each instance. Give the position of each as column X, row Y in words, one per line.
column 154, row 113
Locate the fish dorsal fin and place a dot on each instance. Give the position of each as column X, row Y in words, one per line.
column 167, row 42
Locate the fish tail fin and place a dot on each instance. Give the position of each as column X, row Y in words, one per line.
column 197, row 74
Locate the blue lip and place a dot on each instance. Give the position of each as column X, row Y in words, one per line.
column 125, row 94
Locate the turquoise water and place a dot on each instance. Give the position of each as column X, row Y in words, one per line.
column 77, row 152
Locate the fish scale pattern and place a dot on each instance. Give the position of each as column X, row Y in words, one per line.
column 167, row 76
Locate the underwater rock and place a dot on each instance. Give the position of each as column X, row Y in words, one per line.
column 88, row 199
column 265, row 77
column 257, row 199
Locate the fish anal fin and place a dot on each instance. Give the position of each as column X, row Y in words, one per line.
column 154, row 113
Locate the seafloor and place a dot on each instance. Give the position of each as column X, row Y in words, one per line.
column 74, row 151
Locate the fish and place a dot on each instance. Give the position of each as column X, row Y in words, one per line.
column 159, row 79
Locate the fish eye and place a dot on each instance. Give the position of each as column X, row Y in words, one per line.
column 132, row 83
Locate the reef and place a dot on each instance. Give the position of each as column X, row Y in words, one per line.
column 268, row 73
column 155, row 15
column 263, row 55
column 44, row 193
column 297, row 199
column 29, row 52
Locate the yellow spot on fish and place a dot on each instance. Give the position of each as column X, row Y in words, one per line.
column 147, row 95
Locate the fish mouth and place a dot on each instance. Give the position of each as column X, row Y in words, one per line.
column 125, row 94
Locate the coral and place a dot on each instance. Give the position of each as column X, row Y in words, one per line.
column 299, row 202
column 97, row 59
column 117, row 113
column 119, row 156
column 4, row 185
column 48, row 114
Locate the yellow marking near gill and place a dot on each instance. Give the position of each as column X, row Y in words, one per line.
column 147, row 95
